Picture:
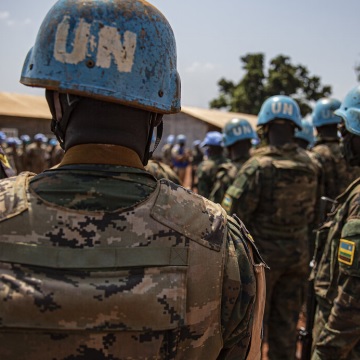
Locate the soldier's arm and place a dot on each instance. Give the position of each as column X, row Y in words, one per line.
column 342, row 330
column 243, row 296
column 242, row 196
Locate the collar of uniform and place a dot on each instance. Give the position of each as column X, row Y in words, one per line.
column 102, row 154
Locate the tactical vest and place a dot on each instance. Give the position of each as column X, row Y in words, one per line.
column 288, row 181
column 328, row 237
column 138, row 283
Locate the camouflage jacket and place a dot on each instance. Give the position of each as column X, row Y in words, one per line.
column 162, row 171
column 337, row 280
column 206, row 173
column 225, row 176
column 275, row 195
column 119, row 266
column 338, row 175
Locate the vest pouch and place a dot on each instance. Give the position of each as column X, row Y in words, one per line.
column 37, row 297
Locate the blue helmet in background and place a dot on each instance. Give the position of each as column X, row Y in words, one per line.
column 181, row 139
column 196, row 143
column 2, row 137
column 324, row 112
column 25, row 139
column 307, row 132
column 349, row 111
column 170, row 139
column 11, row 141
column 53, row 142
column 212, row 138
column 279, row 107
column 120, row 51
column 40, row 137
column 237, row 130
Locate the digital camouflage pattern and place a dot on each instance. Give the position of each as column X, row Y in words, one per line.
column 274, row 194
column 136, row 281
column 224, row 177
column 206, row 173
column 337, row 281
column 162, row 171
column 338, row 175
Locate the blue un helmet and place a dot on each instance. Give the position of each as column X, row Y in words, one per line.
column 2, row 137
column 120, row 51
column 25, row 139
column 323, row 113
column 349, row 111
column 307, row 132
column 212, row 138
column 170, row 139
column 39, row 137
column 279, row 107
column 237, row 130
column 181, row 139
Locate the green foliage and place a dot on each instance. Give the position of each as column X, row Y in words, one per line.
column 255, row 87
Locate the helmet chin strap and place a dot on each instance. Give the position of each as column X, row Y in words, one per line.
column 155, row 121
column 61, row 119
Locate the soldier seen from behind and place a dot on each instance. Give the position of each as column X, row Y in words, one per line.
column 337, row 173
column 37, row 156
column 336, row 332
column 275, row 193
column 304, row 137
column 214, row 157
column 180, row 157
column 99, row 260
column 166, row 150
column 238, row 135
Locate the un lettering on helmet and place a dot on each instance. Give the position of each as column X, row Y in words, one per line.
column 119, row 51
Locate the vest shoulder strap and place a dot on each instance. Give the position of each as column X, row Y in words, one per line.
column 190, row 214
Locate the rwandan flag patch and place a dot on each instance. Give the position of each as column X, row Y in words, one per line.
column 346, row 252
column 227, row 203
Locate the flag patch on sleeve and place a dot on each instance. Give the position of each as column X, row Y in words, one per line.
column 227, row 203
column 346, row 252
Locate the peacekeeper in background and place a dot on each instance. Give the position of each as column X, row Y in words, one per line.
column 274, row 194
column 238, row 135
column 214, row 157
column 305, row 137
column 100, row 260
column 37, row 155
column 337, row 173
column 5, row 167
column 180, row 156
column 166, row 150
column 336, row 332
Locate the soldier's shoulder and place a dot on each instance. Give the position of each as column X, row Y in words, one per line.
column 13, row 198
column 190, row 214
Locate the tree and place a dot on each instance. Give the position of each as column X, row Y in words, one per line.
column 255, row 87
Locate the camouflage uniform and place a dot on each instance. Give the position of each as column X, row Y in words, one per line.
column 274, row 193
column 337, row 281
column 166, row 154
column 338, row 175
column 5, row 168
column 224, row 177
column 162, row 171
column 37, row 158
column 206, row 173
column 121, row 266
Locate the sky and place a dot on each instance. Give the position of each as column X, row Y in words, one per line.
column 212, row 35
